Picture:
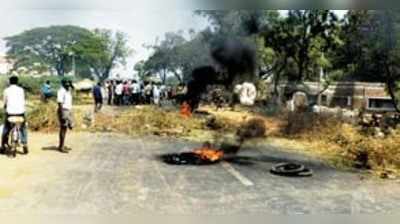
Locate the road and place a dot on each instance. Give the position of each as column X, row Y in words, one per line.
column 116, row 174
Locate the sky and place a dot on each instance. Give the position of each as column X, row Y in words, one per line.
column 142, row 21
column 142, row 27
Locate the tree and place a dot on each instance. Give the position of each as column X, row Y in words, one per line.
column 139, row 67
column 177, row 56
column 103, row 51
column 238, row 22
column 303, row 37
column 384, row 50
column 371, row 51
column 50, row 46
column 350, row 60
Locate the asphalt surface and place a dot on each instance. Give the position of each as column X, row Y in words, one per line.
column 113, row 174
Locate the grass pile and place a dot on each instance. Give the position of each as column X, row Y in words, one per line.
column 147, row 120
column 345, row 145
column 42, row 117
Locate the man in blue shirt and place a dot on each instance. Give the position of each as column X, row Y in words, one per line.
column 46, row 91
column 98, row 97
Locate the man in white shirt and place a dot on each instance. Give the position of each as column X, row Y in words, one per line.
column 156, row 95
column 14, row 105
column 135, row 92
column 64, row 100
column 118, row 93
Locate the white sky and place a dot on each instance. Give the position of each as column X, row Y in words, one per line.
column 141, row 26
column 143, row 21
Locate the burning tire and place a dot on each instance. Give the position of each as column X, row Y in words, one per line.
column 186, row 158
column 291, row 170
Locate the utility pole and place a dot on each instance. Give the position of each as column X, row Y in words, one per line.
column 321, row 76
column 73, row 65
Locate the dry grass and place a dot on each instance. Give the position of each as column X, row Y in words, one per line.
column 42, row 117
column 147, row 120
column 345, row 145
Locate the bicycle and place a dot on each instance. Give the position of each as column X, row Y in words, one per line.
column 14, row 136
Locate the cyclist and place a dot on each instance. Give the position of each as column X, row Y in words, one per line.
column 14, row 105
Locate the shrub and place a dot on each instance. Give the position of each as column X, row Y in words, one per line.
column 253, row 128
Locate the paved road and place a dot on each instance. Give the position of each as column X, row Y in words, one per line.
column 108, row 174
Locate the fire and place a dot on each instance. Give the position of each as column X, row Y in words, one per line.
column 186, row 111
column 208, row 153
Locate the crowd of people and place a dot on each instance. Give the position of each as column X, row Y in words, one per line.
column 133, row 92
column 115, row 92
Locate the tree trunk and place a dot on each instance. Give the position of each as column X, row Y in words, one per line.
column 276, row 83
column 389, row 84
column 164, row 76
column 60, row 68
column 178, row 77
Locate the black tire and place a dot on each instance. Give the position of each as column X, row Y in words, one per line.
column 185, row 158
column 291, row 170
column 305, row 173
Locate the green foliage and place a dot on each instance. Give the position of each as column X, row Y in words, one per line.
column 60, row 48
column 303, row 38
column 103, row 50
column 32, row 85
column 371, row 51
column 177, row 56
column 45, row 49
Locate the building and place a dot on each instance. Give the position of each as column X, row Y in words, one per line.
column 351, row 95
column 5, row 65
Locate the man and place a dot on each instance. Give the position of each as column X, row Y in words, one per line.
column 135, row 92
column 118, row 93
column 110, row 91
column 148, row 92
column 126, row 92
column 64, row 100
column 98, row 97
column 46, row 91
column 156, row 95
column 14, row 105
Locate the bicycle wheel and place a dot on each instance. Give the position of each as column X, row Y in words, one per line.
column 14, row 141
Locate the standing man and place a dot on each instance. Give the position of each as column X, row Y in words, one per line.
column 110, row 91
column 14, row 105
column 126, row 92
column 46, row 91
column 64, row 100
column 135, row 92
column 98, row 97
column 148, row 92
column 156, row 95
column 118, row 93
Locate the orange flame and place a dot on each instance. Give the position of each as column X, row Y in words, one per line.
column 186, row 111
column 210, row 154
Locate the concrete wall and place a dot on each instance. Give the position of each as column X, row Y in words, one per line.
column 352, row 95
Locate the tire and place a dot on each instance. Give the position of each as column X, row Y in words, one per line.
column 291, row 170
column 13, row 141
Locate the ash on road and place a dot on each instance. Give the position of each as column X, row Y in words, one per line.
column 114, row 174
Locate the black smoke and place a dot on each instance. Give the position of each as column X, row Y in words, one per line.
column 201, row 78
column 233, row 58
